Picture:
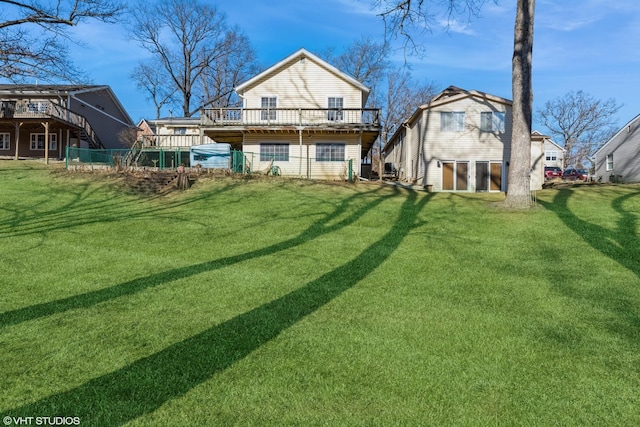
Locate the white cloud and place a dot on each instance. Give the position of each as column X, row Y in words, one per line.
column 455, row 26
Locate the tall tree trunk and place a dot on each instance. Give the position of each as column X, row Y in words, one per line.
column 519, row 187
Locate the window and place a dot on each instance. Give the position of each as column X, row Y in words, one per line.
column 179, row 131
column 38, row 107
column 609, row 162
column 275, row 152
column 335, row 109
column 37, row 141
column 4, row 141
column 330, row 152
column 492, row 121
column 551, row 156
column 268, row 102
column 452, row 121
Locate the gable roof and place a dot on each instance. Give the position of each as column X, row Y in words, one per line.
column 294, row 57
column 631, row 127
column 62, row 90
column 453, row 94
column 546, row 138
column 450, row 94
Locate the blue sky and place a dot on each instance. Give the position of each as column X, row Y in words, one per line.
column 589, row 45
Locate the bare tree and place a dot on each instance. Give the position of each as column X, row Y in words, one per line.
column 188, row 38
column 151, row 78
column 403, row 16
column 580, row 123
column 402, row 96
column 392, row 90
column 235, row 66
column 33, row 36
column 365, row 60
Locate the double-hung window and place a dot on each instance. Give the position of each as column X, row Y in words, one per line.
column 452, row 121
column 276, row 152
column 551, row 156
column 609, row 162
column 268, row 105
column 492, row 121
column 37, row 141
column 335, row 112
column 5, row 141
column 330, row 152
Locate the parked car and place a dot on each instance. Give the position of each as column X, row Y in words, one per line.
column 573, row 174
column 551, row 172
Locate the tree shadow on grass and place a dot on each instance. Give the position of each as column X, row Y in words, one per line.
column 143, row 386
column 80, row 208
column 620, row 245
column 318, row 228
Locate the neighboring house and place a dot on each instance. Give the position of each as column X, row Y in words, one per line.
column 618, row 160
column 303, row 116
column 460, row 141
column 553, row 153
column 33, row 117
column 178, row 133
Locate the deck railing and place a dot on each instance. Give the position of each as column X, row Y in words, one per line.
column 24, row 109
column 290, row 117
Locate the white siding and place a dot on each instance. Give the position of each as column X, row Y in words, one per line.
column 302, row 159
column 471, row 144
column 304, row 84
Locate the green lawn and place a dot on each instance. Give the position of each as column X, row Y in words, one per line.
column 283, row 302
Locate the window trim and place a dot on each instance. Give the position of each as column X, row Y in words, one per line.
column 269, row 151
column 333, row 155
column 608, row 161
column 5, row 141
column 495, row 125
column 268, row 113
column 53, row 141
column 335, row 112
column 456, row 124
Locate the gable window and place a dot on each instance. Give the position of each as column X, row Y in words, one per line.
column 330, row 152
column 452, row 121
column 268, row 105
column 276, row 152
column 609, row 162
column 551, row 156
column 335, row 109
column 492, row 121
column 4, row 141
column 37, row 141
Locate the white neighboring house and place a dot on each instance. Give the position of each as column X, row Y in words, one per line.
column 553, row 153
column 618, row 160
column 301, row 115
column 177, row 133
column 460, row 141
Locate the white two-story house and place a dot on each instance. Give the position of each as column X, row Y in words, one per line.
column 460, row 141
column 303, row 116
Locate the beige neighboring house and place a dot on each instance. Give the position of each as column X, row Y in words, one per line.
column 33, row 117
column 176, row 133
column 460, row 141
column 302, row 115
column 553, row 153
